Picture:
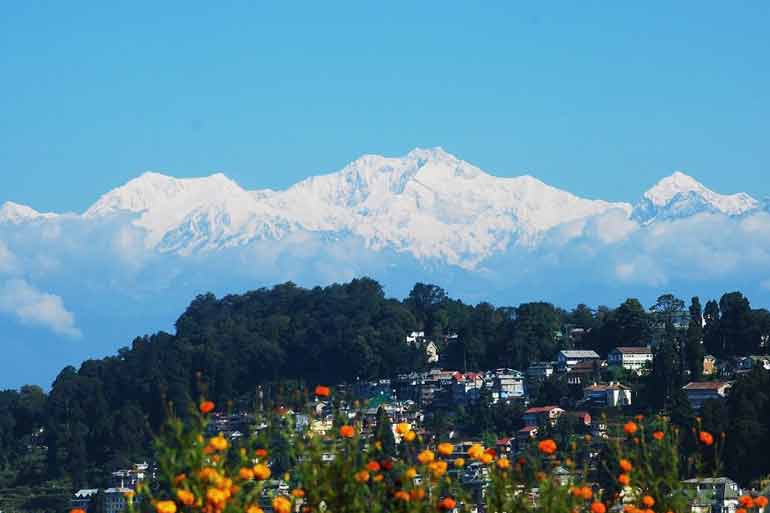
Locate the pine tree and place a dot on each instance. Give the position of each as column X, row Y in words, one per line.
column 694, row 342
column 384, row 432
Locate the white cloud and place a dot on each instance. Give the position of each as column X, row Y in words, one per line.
column 7, row 259
column 32, row 306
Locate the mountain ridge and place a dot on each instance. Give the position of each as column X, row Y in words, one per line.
column 428, row 202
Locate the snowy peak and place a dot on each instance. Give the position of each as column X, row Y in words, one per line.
column 16, row 213
column 680, row 195
column 151, row 190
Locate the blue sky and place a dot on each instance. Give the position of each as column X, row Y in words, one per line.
column 598, row 98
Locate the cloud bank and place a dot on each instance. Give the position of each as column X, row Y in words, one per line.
column 32, row 306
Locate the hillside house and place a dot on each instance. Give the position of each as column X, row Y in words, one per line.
column 607, row 395
column 506, row 384
column 542, row 415
column 633, row 359
column 712, row 495
column 567, row 359
column 700, row 392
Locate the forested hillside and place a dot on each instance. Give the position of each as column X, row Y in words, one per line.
column 103, row 414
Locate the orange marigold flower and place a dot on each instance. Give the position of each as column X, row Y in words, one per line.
column 378, row 477
column 598, row 507
column 261, row 453
column 740, row 510
column 630, row 428
column 486, row 458
column 281, row 505
column 409, row 436
column 706, row 438
column 426, row 457
column 447, row 504
column 261, row 472
column 298, row 492
column 216, row 496
column 401, row 495
column 760, row 502
column 361, row 476
column 219, row 443
column 459, row 462
column 547, row 446
column 503, row 463
column 417, row 494
column 77, row 510
column 623, row 479
column 625, row 465
column 648, row 501
column 658, row 435
column 185, row 497
column 475, row 451
column 403, row 428
column 246, row 474
column 254, row 509
column 374, row 466
column 410, row 473
column 347, row 431
column 639, row 418
column 165, row 507
column 438, row 468
column 179, row 478
column 586, row 493
column 206, row 407
column 746, row 501
column 322, row 391
column 445, row 449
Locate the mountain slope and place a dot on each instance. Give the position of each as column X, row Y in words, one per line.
column 680, row 195
column 428, row 203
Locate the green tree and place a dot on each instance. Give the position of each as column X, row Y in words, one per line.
column 694, row 341
column 384, row 432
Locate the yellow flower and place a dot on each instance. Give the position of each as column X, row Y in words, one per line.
column 185, row 497
column 261, row 472
column 216, row 496
column 475, row 451
column 438, row 468
column 165, row 507
column 503, row 464
column 445, row 449
column 426, row 457
column 281, row 505
column 486, row 458
column 410, row 473
column 459, row 463
column 246, row 474
column 403, row 428
column 409, row 436
column 254, row 509
column 219, row 443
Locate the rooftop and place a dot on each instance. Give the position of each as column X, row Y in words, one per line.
column 578, row 353
column 634, row 350
column 706, row 385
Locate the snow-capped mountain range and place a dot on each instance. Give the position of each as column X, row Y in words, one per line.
column 427, row 203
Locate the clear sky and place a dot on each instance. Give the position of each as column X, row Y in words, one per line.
column 600, row 98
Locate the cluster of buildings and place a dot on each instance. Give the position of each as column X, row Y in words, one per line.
column 113, row 498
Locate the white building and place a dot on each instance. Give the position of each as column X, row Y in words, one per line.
column 712, row 495
column 607, row 395
column 567, row 359
column 634, row 359
column 82, row 498
column 115, row 499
